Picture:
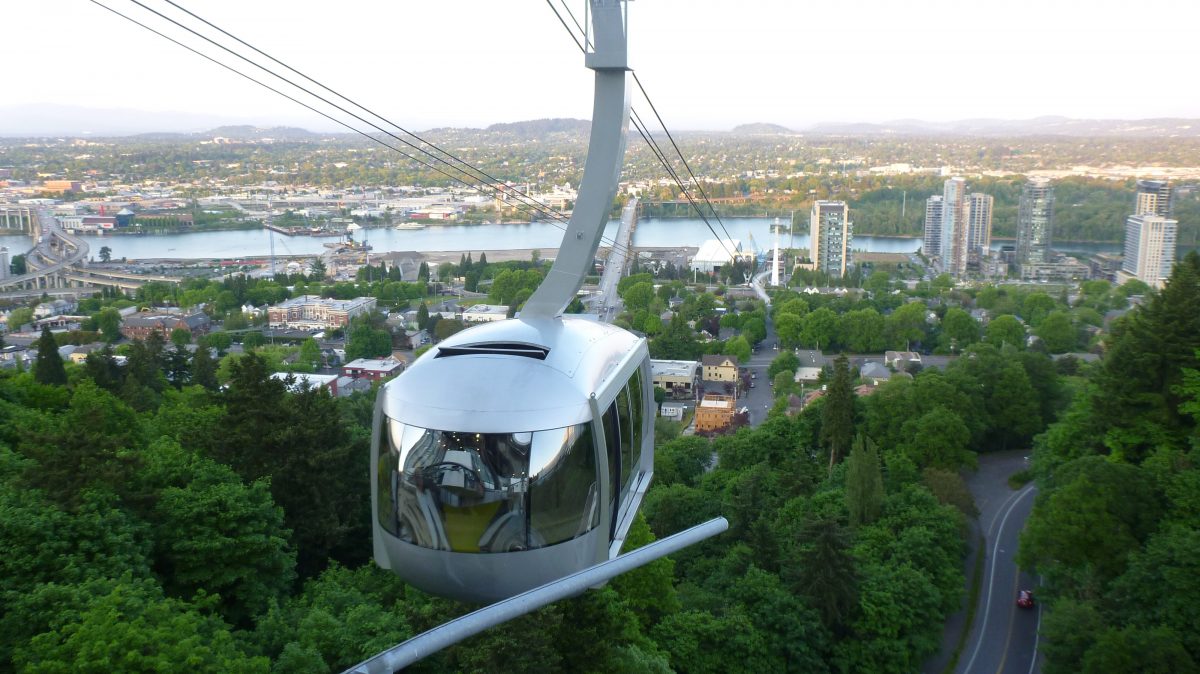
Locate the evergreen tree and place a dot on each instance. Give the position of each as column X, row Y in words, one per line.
column 864, row 482
column 422, row 316
column 49, row 366
column 1137, row 398
column 204, row 368
column 837, row 415
column 178, row 367
column 822, row 569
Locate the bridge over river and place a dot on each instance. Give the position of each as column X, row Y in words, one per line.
column 58, row 264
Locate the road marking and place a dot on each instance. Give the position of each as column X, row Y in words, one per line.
column 992, row 527
column 992, row 577
column 1012, row 617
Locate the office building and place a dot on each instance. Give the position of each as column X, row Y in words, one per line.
column 932, row 245
column 1153, row 198
column 979, row 226
column 1035, row 223
column 832, row 235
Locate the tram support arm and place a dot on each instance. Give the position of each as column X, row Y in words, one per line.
column 448, row 634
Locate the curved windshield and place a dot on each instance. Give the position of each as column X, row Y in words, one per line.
column 487, row 492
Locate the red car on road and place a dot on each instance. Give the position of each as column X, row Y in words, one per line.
column 1025, row 599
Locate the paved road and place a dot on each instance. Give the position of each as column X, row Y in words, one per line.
column 1003, row 638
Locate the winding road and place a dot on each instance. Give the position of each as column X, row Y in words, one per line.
column 1003, row 637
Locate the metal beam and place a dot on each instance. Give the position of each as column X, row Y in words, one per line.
column 606, row 153
column 443, row 636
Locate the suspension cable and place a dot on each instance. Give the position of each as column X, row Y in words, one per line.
column 503, row 192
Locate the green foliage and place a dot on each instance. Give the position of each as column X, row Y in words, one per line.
column 786, row 361
column 218, row 535
column 1058, row 332
column 864, row 483
column 837, row 413
column 109, row 323
column 938, row 439
column 366, row 341
column 862, row 331
column 49, row 369
column 133, row 628
column 341, row 618
column 1005, row 331
column 19, row 317
column 906, row 326
column 682, row 461
column 959, row 330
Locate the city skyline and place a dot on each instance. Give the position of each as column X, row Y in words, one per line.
column 706, row 68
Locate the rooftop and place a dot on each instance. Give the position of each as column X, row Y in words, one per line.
column 676, row 368
column 374, row 364
column 495, row 309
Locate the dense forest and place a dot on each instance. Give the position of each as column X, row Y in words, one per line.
column 1115, row 533
column 154, row 520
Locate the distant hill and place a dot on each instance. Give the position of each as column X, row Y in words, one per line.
column 542, row 127
column 247, row 132
column 1038, row 126
column 760, row 129
column 70, row 121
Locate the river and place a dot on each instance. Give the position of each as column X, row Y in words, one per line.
column 651, row 232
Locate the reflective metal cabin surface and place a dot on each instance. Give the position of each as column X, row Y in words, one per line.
column 502, row 393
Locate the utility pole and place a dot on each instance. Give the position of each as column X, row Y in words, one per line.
column 271, row 236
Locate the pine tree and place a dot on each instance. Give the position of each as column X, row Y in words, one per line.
column 864, row 482
column 837, row 415
column 204, row 368
column 49, row 366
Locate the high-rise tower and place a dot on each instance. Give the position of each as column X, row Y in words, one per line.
column 1153, row 198
column 979, row 225
column 1035, row 222
column 1150, row 235
column 832, row 234
column 932, row 245
column 1149, row 249
column 955, row 228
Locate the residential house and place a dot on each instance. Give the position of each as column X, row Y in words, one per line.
column 720, row 368
column 874, row 373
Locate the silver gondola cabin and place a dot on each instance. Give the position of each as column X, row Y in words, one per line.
column 512, row 454
column 517, row 452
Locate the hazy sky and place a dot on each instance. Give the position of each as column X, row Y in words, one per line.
column 707, row 64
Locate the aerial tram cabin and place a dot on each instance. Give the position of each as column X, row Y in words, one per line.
column 512, row 454
column 517, row 452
